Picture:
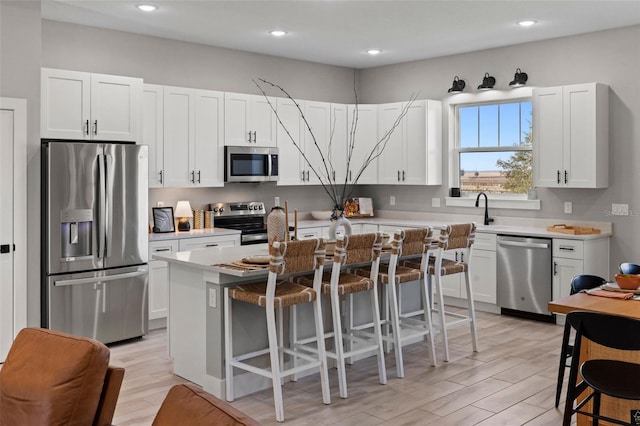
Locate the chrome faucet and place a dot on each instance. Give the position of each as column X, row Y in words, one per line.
column 487, row 219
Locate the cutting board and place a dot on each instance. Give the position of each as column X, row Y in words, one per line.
column 572, row 230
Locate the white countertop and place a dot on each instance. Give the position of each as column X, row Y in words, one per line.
column 194, row 233
column 532, row 231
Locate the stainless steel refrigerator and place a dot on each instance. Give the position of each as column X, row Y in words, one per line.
column 94, row 232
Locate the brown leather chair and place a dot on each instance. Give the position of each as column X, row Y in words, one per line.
column 189, row 405
column 53, row 378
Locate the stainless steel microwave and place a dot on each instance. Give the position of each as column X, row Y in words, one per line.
column 250, row 164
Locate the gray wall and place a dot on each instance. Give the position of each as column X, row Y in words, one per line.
column 610, row 57
column 20, row 78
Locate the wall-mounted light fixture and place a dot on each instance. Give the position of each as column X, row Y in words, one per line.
column 487, row 82
column 183, row 214
column 457, row 86
column 519, row 79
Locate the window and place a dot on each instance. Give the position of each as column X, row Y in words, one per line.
column 494, row 147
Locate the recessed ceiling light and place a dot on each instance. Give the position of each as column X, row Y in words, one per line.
column 277, row 33
column 147, row 7
column 374, row 51
column 527, row 23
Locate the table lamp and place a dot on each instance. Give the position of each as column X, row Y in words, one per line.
column 183, row 214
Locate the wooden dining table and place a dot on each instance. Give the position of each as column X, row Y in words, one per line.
column 612, row 407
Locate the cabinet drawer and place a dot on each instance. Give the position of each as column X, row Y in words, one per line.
column 570, row 249
column 204, row 242
column 163, row 246
column 308, row 233
column 485, row 241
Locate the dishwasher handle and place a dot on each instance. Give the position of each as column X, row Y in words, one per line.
column 524, row 245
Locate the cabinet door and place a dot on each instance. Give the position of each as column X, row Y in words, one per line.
column 315, row 145
column 482, row 267
column 289, row 159
column 579, row 153
column 414, row 171
column 65, row 104
column 363, row 137
column 159, row 279
column 152, row 131
column 451, row 284
column 368, row 228
column 390, row 161
column 207, row 156
column 548, row 169
column 116, row 108
column 263, row 121
column 338, row 152
column 237, row 111
column 179, row 125
column 563, row 272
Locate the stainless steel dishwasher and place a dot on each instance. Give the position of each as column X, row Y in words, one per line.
column 524, row 275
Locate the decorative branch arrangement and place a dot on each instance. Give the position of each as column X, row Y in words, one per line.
column 339, row 192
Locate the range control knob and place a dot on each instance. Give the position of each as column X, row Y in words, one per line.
column 221, row 209
column 215, row 210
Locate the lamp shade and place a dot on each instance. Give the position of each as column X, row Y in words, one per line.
column 457, row 85
column 487, row 82
column 183, row 209
column 519, row 79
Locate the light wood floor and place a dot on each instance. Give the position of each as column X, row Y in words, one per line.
column 510, row 381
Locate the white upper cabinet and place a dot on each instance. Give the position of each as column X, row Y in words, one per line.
column 364, row 126
column 153, row 132
column 571, row 136
column 290, row 161
column 316, row 141
column 193, row 129
column 413, row 153
column 338, row 143
column 249, row 120
column 85, row 106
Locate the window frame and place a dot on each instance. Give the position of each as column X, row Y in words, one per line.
column 469, row 99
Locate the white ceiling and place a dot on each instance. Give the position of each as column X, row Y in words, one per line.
column 339, row 32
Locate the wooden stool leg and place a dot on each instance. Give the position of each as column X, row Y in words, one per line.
column 377, row 330
column 275, row 363
column 228, row 347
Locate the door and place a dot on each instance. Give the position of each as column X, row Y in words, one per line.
column 152, row 132
column 365, row 137
column 548, row 168
column 72, row 173
column 338, row 143
column 126, row 196
column 263, row 121
column 179, row 125
column 115, row 107
column 107, row 306
column 579, row 153
column 390, row 161
column 289, row 158
column 315, row 142
column 13, row 234
column 208, row 153
column 237, row 116
column 65, row 105
column 415, row 154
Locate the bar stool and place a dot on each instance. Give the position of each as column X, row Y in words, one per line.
column 349, row 250
column 454, row 237
column 286, row 258
column 407, row 242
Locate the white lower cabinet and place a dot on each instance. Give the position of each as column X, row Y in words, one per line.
column 576, row 257
column 482, row 268
column 308, row 233
column 159, row 279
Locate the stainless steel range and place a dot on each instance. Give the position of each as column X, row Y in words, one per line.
column 248, row 217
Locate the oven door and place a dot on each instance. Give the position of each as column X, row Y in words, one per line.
column 250, row 164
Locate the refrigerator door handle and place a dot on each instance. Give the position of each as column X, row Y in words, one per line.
column 95, row 280
column 108, row 189
column 102, row 206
